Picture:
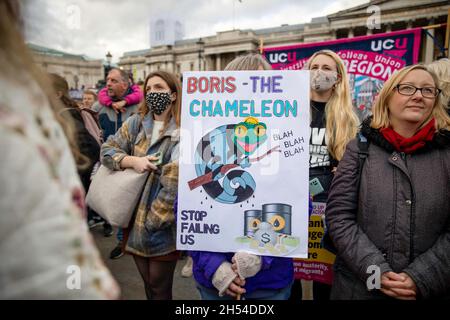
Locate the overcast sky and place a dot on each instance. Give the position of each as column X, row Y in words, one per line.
column 94, row 27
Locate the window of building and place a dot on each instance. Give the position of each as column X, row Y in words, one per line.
column 159, row 30
column 341, row 33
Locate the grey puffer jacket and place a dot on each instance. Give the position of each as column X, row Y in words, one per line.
column 398, row 220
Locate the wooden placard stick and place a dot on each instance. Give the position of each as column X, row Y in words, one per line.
column 207, row 178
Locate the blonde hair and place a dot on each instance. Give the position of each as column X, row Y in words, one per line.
column 15, row 58
column 341, row 120
column 90, row 92
column 380, row 109
column 175, row 86
column 441, row 68
column 250, row 61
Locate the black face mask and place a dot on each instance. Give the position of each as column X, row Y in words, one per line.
column 158, row 102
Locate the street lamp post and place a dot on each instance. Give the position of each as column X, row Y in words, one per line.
column 108, row 61
column 109, row 58
column 200, row 44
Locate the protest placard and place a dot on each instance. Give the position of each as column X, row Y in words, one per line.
column 244, row 156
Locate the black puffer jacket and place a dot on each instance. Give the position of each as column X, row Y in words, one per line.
column 398, row 220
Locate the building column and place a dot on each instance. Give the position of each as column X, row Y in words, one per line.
column 333, row 34
column 389, row 27
column 350, row 33
column 409, row 24
column 209, row 63
column 169, row 67
column 218, row 62
column 429, row 47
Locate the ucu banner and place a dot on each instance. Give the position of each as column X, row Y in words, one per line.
column 370, row 60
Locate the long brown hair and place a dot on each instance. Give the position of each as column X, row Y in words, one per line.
column 175, row 86
column 61, row 87
column 15, row 56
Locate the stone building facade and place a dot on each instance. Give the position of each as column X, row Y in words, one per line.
column 78, row 70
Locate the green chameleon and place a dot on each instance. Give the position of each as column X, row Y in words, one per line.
column 230, row 144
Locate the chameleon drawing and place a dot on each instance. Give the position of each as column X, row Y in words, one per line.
column 228, row 147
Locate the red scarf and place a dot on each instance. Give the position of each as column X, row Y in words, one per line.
column 409, row 145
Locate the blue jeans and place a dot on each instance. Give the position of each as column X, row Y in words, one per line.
column 263, row 294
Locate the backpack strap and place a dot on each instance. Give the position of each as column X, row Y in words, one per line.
column 363, row 153
column 136, row 126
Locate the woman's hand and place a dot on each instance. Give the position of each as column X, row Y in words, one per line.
column 139, row 164
column 226, row 281
column 142, row 164
column 236, row 288
column 398, row 285
column 245, row 264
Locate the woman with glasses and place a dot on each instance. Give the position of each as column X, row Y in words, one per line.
column 391, row 223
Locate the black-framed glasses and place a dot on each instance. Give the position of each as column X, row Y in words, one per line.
column 409, row 90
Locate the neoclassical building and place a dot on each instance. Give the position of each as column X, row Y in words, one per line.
column 78, row 70
column 216, row 51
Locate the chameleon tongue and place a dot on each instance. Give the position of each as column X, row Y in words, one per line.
column 247, row 147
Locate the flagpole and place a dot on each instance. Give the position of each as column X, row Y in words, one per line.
column 234, row 7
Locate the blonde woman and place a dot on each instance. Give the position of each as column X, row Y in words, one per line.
column 333, row 124
column 333, row 120
column 442, row 69
column 394, row 217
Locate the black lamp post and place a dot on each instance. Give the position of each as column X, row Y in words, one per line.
column 200, row 44
column 108, row 66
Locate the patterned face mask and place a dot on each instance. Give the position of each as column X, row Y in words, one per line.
column 158, row 102
column 323, row 80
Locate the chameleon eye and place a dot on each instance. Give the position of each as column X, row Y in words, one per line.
column 240, row 131
column 259, row 130
column 277, row 222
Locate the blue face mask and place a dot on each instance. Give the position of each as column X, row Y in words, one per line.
column 158, row 102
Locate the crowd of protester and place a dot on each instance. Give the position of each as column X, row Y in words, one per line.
column 389, row 208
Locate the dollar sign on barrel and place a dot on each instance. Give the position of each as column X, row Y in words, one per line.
column 265, row 238
column 265, row 234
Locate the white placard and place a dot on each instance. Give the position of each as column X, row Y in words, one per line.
column 243, row 181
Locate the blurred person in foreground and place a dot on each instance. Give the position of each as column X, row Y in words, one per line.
column 46, row 247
